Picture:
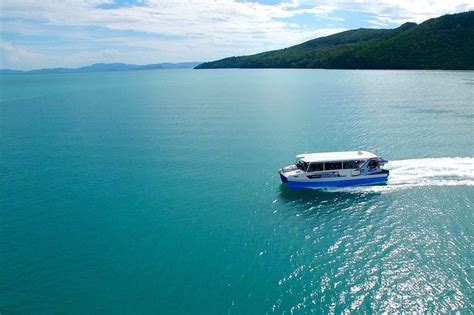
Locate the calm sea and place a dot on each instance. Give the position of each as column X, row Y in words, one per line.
column 158, row 192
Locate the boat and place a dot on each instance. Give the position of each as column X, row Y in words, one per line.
column 334, row 169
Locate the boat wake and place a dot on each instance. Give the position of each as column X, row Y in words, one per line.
column 457, row 171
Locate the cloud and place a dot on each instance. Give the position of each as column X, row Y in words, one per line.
column 197, row 17
column 16, row 56
column 388, row 12
column 188, row 30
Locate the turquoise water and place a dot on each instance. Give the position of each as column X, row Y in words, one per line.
column 157, row 191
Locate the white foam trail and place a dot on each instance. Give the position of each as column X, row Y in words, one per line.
column 457, row 171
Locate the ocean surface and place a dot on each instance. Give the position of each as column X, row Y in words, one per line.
column 158, row 192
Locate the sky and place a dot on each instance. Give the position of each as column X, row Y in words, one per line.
column 72, row 33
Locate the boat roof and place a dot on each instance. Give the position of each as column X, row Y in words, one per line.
column 335, row 156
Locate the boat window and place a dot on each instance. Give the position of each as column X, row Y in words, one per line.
column 373, row 164
column 302, row 165
column 353, row 164
column 315, row 167
column 332, row 166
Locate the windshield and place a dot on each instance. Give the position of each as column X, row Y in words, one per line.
column 302, row 165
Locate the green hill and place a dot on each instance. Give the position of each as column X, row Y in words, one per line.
column 446, row 42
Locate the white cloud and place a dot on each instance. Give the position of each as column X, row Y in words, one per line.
column 398, row 11
column 15, row 56
column 193, row 30
column 192, row 18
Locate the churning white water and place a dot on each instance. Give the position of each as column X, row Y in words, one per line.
column 453, row 171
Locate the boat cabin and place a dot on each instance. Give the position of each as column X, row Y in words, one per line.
column 337, row 161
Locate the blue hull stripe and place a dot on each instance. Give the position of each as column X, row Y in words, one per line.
column 338, row 183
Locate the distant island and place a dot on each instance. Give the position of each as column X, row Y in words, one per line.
column 106, row 67
column 446, row 42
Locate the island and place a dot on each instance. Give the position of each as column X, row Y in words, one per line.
column 446, row 42
column 105, row 67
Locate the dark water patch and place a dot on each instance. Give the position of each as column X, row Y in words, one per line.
column 467, row 116
column 434, row 111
